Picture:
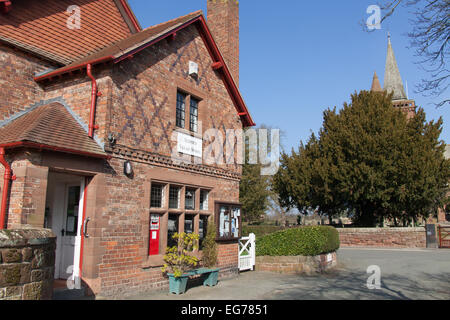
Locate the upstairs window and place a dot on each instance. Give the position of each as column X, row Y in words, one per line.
column 181, row 109
column 193, row 119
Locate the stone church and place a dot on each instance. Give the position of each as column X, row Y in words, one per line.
column 393, row 84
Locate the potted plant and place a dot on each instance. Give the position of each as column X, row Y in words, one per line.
column 178, row 261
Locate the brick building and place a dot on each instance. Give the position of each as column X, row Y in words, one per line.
column 93, row 112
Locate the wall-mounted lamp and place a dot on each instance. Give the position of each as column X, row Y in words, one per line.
column 128, row 169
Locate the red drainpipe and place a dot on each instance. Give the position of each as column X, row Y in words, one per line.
column 6, row 182
column 94, row 95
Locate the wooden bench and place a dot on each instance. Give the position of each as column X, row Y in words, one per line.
column 212, row 275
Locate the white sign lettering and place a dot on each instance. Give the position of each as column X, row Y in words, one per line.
column 190, row 145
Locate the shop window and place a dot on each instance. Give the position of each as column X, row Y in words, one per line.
column 202, row 230
column 189, row 223
column 172, row 228
column 228, row 221
column 204, row 199
column 189, row 200
column 174, row 197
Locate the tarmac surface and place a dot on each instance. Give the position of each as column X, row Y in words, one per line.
column 405, row 274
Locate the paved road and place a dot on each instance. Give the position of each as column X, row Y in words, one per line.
column 405, row 274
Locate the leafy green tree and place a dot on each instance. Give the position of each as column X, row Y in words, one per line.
column 368, row 161
column 254, row 189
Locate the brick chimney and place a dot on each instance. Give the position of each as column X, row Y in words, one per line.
column 223, row 21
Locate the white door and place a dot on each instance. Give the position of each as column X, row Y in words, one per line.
column 67, row 208
column 69, row 229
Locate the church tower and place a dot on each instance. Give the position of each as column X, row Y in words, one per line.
column 393, row 84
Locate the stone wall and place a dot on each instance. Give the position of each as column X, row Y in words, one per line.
column 296, row 264
column 27, row 260
column 383, row 237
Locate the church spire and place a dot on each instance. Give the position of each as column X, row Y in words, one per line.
column 376, row 86
column 392, row 79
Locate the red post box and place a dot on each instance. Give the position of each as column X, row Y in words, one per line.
column 154, row 234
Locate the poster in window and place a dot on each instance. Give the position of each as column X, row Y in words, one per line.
column 236, row 230
column 222, row 222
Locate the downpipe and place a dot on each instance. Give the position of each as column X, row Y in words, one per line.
column 94, row 95
column 8, row 177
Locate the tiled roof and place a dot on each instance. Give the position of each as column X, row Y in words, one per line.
column 52, row 127
column 136, row 40
column 145, row 38
column 41, row 27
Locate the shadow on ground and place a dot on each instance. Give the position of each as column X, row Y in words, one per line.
column 352, row 285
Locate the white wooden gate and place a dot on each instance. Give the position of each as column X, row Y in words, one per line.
column 247, row 255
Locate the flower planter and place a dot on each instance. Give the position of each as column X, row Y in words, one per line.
column 212, row 279
column 178, row 285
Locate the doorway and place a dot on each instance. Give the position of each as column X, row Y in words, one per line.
column 63, row 215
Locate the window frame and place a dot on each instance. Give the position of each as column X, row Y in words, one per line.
column 189, row 106
column 194, row 190
column 153, row 184
column 166, row 213
column 181, row 109
column 217, row 205
column 193, row 125
column 180, row 189
column 204, row 205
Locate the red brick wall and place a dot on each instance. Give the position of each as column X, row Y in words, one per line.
column 143, row 106
column 26, row 203
column 228, row 258
column 383, row 237
column 19, row 90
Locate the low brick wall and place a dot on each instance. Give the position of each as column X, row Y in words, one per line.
column 296, row 264
column 383, row 237
column 27, row 260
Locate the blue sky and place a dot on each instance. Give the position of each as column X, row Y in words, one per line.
column 297, row 58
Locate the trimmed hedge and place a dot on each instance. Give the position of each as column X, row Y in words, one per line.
column 302, row 241
column 260, row 230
